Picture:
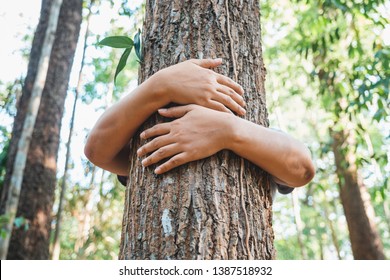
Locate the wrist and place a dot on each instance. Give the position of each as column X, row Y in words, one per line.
column 159, row 87
column 234, row 138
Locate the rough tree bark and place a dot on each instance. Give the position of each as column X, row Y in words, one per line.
column 37, row 194
column 219, row 207
column 360, row 215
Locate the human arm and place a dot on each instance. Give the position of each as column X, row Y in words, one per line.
column 200, row 132
column 187, row 82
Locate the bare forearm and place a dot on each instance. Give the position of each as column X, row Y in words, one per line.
column 276, row 152
column 120, row 122
column 189, row 82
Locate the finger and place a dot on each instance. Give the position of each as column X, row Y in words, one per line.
column 154, row 145
column 207, row 63
column 175, row 112
column 217, row 106
column 230, row 83
column 234, row 95
column 160, row 154
column 229, row 102
column 173, row 162
column 158, row 129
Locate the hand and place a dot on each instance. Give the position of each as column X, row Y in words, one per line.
column 197, row 133
column 191, row 82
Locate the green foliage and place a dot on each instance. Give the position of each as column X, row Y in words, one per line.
column 19, row 222
column 9, row 93
column 137, row 45
column 4, row 146
column 120, row 42
column 100, row 236
column 123, row 42
column 328, row 68
column 122, row 62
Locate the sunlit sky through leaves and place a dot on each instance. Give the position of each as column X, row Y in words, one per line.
column 21, row 18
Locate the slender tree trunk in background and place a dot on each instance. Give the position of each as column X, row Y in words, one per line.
column 39, row 181
column 386, row 210
column 299, row 224
column 28, row 126
column 365, row 240
column 332, row 231
column 57, row 231
column 219, row 207
column 321, row 245
column 85, row 215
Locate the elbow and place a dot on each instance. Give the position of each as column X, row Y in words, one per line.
column 306, row 172
column 302, row 171
column 309, row 172
column 90, row 152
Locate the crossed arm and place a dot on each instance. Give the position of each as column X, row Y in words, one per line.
column 198, row 131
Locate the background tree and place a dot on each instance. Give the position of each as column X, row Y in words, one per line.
column 39, row 180
column 337, row 48
column 23, row 144
column 56, row 241
column 94, row 234
column 338, row 41
column 219, row 207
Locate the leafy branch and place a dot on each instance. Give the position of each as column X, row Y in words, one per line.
column 123, row 42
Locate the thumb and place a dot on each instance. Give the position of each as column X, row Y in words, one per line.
column 175, row 112
column 207, row 63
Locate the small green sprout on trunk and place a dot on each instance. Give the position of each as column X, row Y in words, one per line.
column 124, row 42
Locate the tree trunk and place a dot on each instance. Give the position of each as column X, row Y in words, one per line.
column 19, row 163
column 364, row 236
column 299, row 224
column 57, row 231
column 332, row 230
column 219, row 207
column 386, row 211
column 37, row 193
column 84, row 225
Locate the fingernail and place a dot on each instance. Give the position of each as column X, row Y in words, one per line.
column 143, row 162
column 138, row 152
column 162, row 110
column 218, row 59
column 242, row 111
column 142, row 135
column 157, row 170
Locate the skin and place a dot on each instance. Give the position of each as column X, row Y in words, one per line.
column 192, row 135
column 193, row 83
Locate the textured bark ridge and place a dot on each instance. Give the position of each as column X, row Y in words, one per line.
column 39, row 180
column 219, row 207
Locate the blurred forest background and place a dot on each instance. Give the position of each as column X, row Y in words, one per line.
column 327, row 84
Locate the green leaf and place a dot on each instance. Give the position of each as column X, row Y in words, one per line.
column 119, row 42
column 122, row 62
column 379, row 115
column 137, row 45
